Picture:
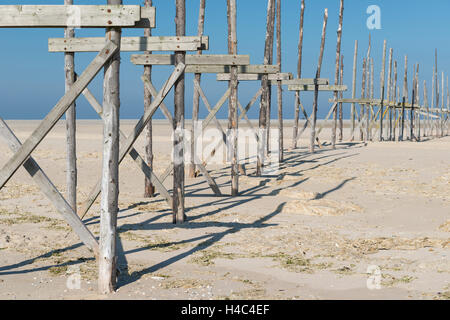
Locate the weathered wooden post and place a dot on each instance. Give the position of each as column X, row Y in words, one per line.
column 316, row 89
column 341, row 96
column 370, row 115
column 71, row 143
column 299, row 75
column 178, row 121
column 405, row 98
column 269, row 93
column 413, row 101
column 279, row 88
column 196, row 99
column 336, row 72
column 362, row 113
column 436, row 83
column 396, row 96
column 425, row 103
column 149, row 190
column 353, row 108
column 233, row 105
column 442, row 108
column 383, row 77
column 110, row 171
column 262, row 141
column 389, row 93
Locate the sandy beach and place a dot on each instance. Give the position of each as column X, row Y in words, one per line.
column 359, row 222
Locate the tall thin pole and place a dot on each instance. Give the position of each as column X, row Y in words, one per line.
column 362, row 112
column 389, row 92
column 71, row 143
column 316, row 89
column 178, row 119
column 382, row 80
column 196, row 99
column 232, row 112
column 442, row 106
column 149, row 187
column 299, row 74
column 336, row 72
column 262, row 142
column 341, row 96
column 353, row 109
column 279, row 88
column 405, row 98
column 110, row 171
column 396, row 96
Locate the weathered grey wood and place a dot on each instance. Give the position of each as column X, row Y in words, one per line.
column 210, row 59
column 60, row 16
column 109, row 203
column 405, row 98
column 299, row 75
column 262, row 141
column 55, row 114
column 382, row 86
column 340, row 106
column 154, row 93
column 284, row 77
column 279, row 88
column 396, row 96
column 306, row 81
column 442, row 107
column 265, row 69
column 389, row 92
column 178, row 122
column 232, row 137
column 196, row 98
column 336, row 71
column 130, row 44
column 71, row 150
column 318, row 88
column 50, row 191
column 149, row 188
column 316, row 91
column 140, row 162
column 353, row 108
column 363, row 96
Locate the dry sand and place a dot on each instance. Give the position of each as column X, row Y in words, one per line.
column 310, row 232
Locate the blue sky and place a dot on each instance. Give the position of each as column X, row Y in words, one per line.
column 32, row 79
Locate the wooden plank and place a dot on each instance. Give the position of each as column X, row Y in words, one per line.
column 255, row 77
column 84, row 16
column 50, row 191
column 319, row 88
column 148, row 18
column 212, row 59
column 60, row 108
column 265, row 69
column 306, row 81
column 130, row 44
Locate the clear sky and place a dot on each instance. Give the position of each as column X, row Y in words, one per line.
column 32, row 79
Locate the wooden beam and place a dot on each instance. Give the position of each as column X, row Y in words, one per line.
column 255, row 77
column 85, row 16
column 130, row 44
column 264, row 69
column 319, row 88
column 306, row 81
column 60, row 108
column 212, row 59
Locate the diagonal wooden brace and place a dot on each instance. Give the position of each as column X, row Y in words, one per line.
column 49, row 189
column 56, row 113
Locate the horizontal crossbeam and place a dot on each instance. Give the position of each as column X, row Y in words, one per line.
column 84, row 16
column 213, row 59
column 306, row 81
column 130, row 44
column 295, row 87
column 265, row 69
column 255, row 77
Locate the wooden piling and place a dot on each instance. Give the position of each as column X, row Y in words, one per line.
column 405, row 98
column 279, row 88
column 382, row 88
column 341, row 96
column 196, row 99
column 233, row 105
column 362, row 111
column 71, row 175
column 110, row 172
column 149, row 189
column 336, row 72
column 389, row 92
column 178, row 121
column 262, row 141
column 353, row 108
column 316, row 91
column 299, row 74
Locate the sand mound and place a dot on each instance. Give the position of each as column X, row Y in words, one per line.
column 320, row 207
column 445, row 227
column 299, row 194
